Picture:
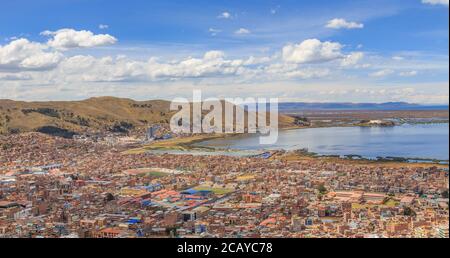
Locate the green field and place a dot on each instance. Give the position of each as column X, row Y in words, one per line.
column 390, row 204
column 182, row 144
column 155, row 174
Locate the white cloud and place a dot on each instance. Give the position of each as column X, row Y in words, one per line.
column 282, row 71
column 106, row 69
column 398, row 58
column 69, row 38
column 214, row 32
column 352, row 59
column 22, row 54
column 242, row 31
column 280, row 68
column 109, row 69
column 257, row 60
column 224, row 15
column 312, row 51
column 214, row 54
column 103, row 26
column 213, row 64
column 408, row 73
column 308, row 73
column 309, row 60
column 382, row 73
column 436, row 2
column 15, row 77
column 338, row 23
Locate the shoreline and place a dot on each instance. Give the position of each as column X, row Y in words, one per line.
column 188, row 144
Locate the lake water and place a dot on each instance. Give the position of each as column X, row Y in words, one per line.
column 430, row 141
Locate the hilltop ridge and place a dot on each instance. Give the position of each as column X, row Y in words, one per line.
column 104, row 113
column 94, row 114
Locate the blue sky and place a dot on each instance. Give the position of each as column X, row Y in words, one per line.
column 358, row 51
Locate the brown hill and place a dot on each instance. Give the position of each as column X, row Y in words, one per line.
column 104, row 113
column 94, row 114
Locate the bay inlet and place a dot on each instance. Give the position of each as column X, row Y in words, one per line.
column 414, row 141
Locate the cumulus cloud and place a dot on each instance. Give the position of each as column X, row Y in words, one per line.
column 104, row 69
column 309, row 73
column 213, row 63
column 382, row 73
column 257, row 60
column 436, row 2
column 48, row 66
column 398, row 58
column 352, row 59
column 15, row 77
column 224, row 15
column 339, row 23
column 312, row 51
column 69, row 38
column 110, row 69
column 214, row 54
column 242, row 31
column 280, row 68
column 282, row 71
column 22, row 54
column 408, row 73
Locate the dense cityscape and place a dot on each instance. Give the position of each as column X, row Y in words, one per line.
column 224, row 128
column 64, row 188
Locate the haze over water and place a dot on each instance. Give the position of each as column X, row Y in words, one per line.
column 429, row 141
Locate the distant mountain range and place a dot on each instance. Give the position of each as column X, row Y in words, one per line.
column 123, row 115
column 299, row 106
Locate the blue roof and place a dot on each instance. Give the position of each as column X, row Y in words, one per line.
column 205, row 191
column 146, row 203
column 133, row 221
column 189, row 191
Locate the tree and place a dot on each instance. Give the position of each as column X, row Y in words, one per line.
column 407, row 211
column 444, row 194
column 109, row 197
column 322, row 189
column 4, row 147
column 421, row 192
column 172, row 231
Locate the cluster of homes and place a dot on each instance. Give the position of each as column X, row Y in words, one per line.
column 63, row 188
